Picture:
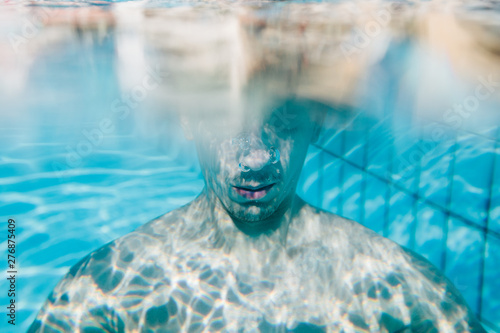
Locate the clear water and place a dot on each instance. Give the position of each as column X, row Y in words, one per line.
column 378, row 165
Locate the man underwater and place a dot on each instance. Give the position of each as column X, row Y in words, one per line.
column 249, row 255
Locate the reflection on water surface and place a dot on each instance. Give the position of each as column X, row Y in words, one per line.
column 91, row 146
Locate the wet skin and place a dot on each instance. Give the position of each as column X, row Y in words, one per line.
column 238, row 166
column 249, row 255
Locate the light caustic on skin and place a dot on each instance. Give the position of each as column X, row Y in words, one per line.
column 257, row 163
column 249, row 254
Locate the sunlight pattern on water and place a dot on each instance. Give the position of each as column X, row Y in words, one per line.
column 378, row 165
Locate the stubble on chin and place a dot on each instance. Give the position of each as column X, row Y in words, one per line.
column 251, row 213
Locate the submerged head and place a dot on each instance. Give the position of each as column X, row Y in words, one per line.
column 251, row 162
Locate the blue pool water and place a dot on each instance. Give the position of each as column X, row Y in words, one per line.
column 379, row 165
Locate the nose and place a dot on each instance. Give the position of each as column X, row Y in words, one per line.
column 255, row 160
column 255, row 155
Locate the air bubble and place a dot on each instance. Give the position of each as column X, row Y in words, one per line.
column 274, row 155
column 244, row 168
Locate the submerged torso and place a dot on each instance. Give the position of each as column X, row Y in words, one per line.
column 182, row 272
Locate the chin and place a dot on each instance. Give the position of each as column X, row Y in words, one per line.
column 252, row 213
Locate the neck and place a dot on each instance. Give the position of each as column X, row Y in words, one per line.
column 229, row 231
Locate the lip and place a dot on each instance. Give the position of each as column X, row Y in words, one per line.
column 253, row 192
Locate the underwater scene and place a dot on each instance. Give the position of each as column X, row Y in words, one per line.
column 250, row 166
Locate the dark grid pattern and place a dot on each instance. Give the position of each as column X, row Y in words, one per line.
column 423, row 204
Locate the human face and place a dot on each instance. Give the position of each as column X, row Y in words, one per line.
column 252, row 166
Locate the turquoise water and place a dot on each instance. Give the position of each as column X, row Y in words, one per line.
column 71, row 190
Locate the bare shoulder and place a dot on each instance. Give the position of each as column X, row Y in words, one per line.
column 375, row 267
column 98, row 290
column 440, row 292
column 139, row 251
column 339, row 232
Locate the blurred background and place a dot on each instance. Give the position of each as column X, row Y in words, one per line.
column 91, row 147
